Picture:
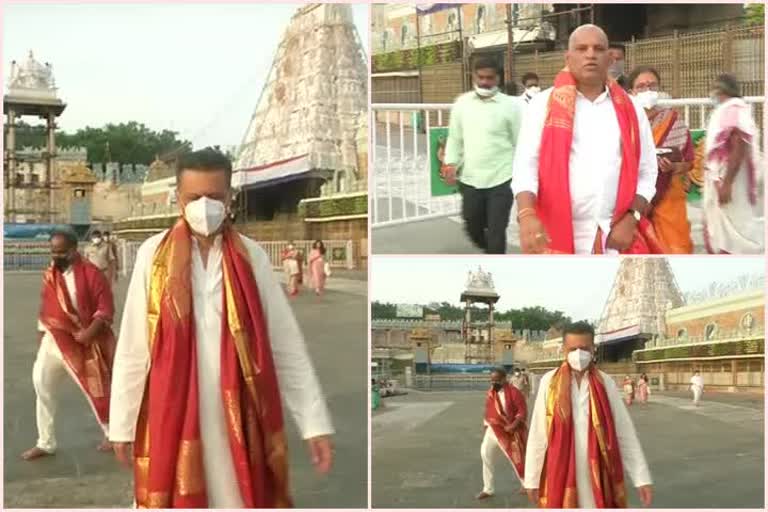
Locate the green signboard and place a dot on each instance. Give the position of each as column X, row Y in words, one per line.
column 438, row 137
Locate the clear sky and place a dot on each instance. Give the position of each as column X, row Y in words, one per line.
column 197, row 68
column 577, row 286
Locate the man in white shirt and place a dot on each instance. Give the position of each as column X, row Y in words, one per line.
column 505, row 430
column 586, row 166
column 208, row 347
column 482, row 140
column 575, row 460
column 697, row 387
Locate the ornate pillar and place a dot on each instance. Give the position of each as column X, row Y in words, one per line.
column 10, row 151
column 49, row 163
column 490, row 325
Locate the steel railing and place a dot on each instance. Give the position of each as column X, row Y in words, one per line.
column 401, row 189
column 36, row 255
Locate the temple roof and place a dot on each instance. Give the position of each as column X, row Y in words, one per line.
column 643, row 291
column 159, row 170
column 314, row 96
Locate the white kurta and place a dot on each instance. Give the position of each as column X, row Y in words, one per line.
column 298, row 382
column 595, row 162
column 629, row 445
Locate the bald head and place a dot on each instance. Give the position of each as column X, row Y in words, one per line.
column 587, row 57
column 589, row 28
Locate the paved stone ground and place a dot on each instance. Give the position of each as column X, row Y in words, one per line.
column 79, row 476
column 426, row 452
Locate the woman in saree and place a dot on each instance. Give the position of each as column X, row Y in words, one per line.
column 730, row 180
column 292, row 267
column 668, row 210
column 642, row 389
column 629, row 390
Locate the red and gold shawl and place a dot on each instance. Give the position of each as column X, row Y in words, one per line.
column 512, row 443
column 558, row 477
column 168, row 453
column 554, row 195
column 91, row 364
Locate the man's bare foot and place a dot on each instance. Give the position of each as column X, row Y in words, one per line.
column 105, row 446
column 483, row 495
column 35, row 453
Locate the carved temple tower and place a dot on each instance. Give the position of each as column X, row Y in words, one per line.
column 643, row 291
column 477, row 334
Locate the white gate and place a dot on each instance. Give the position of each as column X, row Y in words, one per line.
column 401, row 190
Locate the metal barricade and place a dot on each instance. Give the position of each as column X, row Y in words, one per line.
column 338, row 253
column 401, row 190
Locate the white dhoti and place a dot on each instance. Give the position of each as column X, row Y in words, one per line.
column 490, row 451
column 47, row 373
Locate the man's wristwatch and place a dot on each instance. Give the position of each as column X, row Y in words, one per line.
column 635, row 214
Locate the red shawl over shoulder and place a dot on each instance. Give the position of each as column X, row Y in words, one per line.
column 512, row 443
column 91, row 364
column 558, row 477
column 554, row 195
column 169, row 460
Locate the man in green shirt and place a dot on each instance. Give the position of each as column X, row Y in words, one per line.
column 482, row 136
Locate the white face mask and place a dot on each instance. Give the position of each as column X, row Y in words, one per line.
column 205, row 215
column 579, row 359
column 648, row 99
column 533, row 90
column 96, row 240
column 486, row 93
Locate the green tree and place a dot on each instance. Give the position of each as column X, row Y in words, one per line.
column 755, row 14
column 128, row 143
column 383, row 310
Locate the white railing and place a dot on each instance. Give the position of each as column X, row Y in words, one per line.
column 401, row 190
column 338, row 253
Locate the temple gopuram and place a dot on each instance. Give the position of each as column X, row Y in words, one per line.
column 649, row 326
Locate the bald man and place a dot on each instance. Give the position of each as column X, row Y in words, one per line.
column 585, row 169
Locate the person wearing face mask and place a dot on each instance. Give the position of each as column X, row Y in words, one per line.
column 482, row 140
column 504, row 430
column 586, row 166
column 100, row 254
column 209, row 350
column 76, row 338
column 573, row 459
column 730, row 180
column 616, row 70
column 669, row 209
column 530, row 86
